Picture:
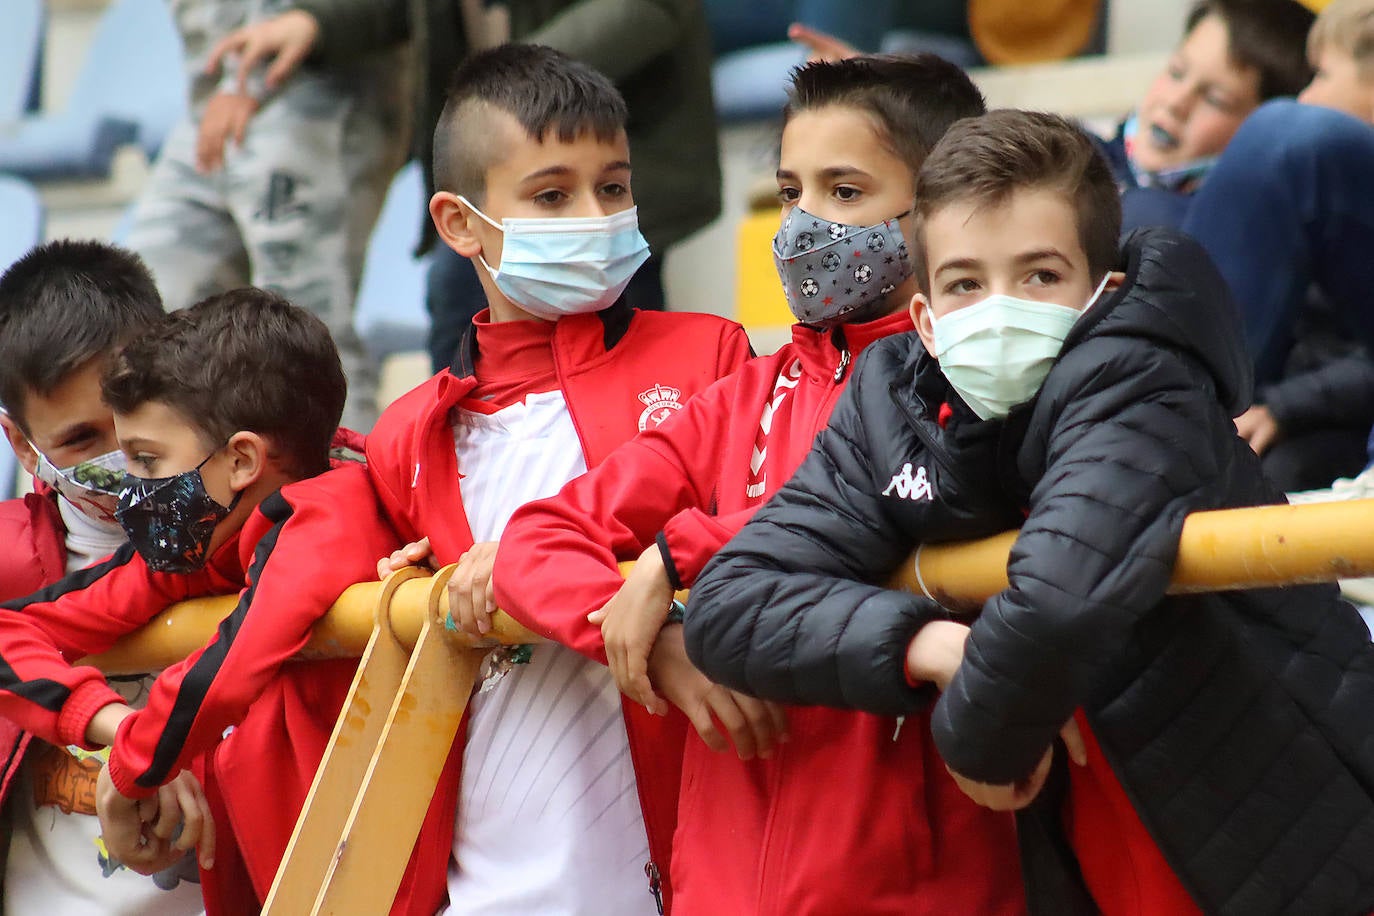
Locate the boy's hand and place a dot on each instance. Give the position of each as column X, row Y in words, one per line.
column 226, row 115
column 819, row 45
column 471, row 595
column 1258, row 427
column 630, row 622
column 1019, row 794
column 285, row 39
column 143, row 833
column 416, row 553
column 936, row 651
column 754, row 726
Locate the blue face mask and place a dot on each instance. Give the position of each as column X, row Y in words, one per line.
column 566, row 265
column 1185, row 178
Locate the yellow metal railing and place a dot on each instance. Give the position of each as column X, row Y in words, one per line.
column 415, row 674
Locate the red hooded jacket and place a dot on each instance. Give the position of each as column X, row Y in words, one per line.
column 35, row 555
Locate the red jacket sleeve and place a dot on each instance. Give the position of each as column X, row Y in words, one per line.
column 692, row 537
column 81, row 614
column 559, row 557
column 303, row 560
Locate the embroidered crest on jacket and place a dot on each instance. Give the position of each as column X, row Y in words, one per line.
column 660, row 403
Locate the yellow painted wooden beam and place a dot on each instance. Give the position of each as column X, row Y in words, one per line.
column 1225, row 549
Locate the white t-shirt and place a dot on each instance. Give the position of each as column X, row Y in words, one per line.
column 54, row 866
column 548, row 817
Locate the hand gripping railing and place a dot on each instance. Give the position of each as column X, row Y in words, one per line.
column 416, row 672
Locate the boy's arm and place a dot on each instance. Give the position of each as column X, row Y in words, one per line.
column 559, row 557
column 1132, row 444
column 787, row 612
column 82, row 614
column 1339, row 393
column 302, row 563
column 617, row 37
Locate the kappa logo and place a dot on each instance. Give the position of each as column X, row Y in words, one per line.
column 660, row 403
column 910, row 486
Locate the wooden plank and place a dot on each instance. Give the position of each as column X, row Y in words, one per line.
column 340, row 776
column 390, row 807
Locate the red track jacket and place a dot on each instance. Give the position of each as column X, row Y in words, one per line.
column 35, row 555
column 620, row 372
column 257, row 778
column 790, row 834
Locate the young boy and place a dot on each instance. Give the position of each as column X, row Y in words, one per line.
column 219, row 409
column 1315, row 387
column 1234, row 54
column 763, row 835
column 1340, row 48
column 564, row 800
column 1226, row 763
column 65, row 307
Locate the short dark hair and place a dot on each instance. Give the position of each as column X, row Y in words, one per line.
column 987, row 158
column 545, row 90
column 62, row 305
column 913, row 99
column 1267, row 36
column 242, row 360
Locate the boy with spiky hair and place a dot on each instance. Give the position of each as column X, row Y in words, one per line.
column 561, row 797
column 1221, row 740
column 225, row 413
column 760, row 831
column 65, row 308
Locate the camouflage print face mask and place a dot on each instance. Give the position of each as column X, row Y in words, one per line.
column 93, row 486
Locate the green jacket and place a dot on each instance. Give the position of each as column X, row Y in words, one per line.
column 658, row 52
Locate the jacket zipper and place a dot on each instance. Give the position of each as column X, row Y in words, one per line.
column 918, row 426
column 655, row 885
column 838, row 339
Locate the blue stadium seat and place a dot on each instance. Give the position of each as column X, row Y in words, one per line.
column 131, row 89
column 21, row 227
column 21, row 57
column 390, row 314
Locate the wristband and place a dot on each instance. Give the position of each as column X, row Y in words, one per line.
column 677, row 612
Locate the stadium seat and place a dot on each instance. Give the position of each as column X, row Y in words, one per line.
column 21, row 227
column 390, row 314
column 21, row 57
column 131, row 89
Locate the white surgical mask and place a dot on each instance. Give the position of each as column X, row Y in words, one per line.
column 566, row 265
column 997, row 353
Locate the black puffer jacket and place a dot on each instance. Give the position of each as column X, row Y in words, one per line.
column 1241, row 724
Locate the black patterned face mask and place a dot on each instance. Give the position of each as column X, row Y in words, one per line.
column 170, row 520
column 834, row 273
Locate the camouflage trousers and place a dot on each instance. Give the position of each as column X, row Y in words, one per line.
column 291, row 210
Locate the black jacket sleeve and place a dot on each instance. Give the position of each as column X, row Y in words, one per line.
column 1127, row 441
column 1337, row 394
column 789, row 609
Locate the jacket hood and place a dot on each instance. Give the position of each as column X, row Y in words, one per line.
column 1174, row 294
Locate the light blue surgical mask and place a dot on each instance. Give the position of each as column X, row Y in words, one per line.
column 566, row 265
column 997, row 352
